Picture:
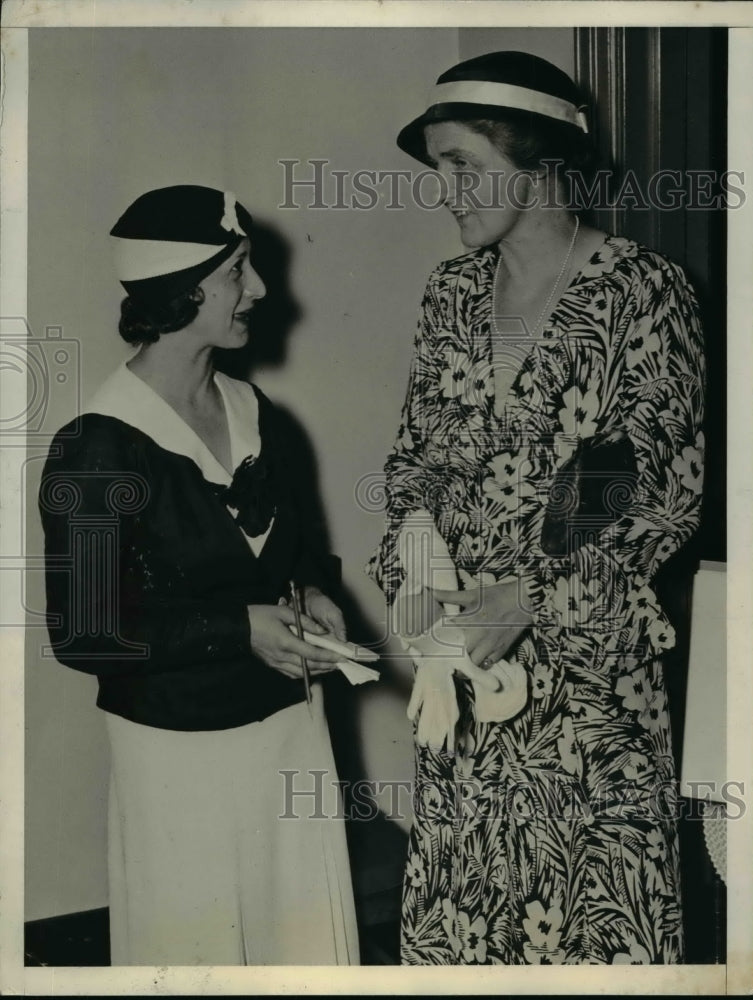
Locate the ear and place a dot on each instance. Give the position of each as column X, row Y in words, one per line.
column 541, row 173
column 532, row 181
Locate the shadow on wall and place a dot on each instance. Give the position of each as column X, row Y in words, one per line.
column 275, row 316
column 377, row 845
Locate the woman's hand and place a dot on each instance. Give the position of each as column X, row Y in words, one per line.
column 492, row 620
column 274, row 643
column 414, row 614
column 324, row 612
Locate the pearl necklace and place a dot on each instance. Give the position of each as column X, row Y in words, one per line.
column 555, row 286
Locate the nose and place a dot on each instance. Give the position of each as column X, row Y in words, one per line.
column 253, row 286
column 447, row 184
column 452, row 186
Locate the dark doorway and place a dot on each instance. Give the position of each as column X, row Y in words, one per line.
column 660, row 105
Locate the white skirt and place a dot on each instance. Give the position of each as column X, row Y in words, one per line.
column 215, row 856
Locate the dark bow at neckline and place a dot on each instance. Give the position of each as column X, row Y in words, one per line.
column 251, row 494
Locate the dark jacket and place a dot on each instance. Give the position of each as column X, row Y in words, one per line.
column 149, row 575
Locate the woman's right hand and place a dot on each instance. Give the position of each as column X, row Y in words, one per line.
column 273, row 642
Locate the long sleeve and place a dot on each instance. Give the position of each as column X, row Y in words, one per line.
column 650, row 383
column 113, row 607
column 405, row 468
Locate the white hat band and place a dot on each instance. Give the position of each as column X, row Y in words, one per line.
column 138, row 259
column 510, row 96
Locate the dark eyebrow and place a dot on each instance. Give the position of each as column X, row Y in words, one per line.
column 454, row 151
column 239, row 254
column 458, row 151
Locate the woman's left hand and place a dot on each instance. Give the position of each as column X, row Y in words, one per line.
column 492, row 619
column 325, row 612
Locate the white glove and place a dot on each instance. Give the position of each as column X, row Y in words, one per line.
column 499, row 692
column 508, row 700
column 433, row 700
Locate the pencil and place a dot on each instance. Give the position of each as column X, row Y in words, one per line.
column 299, row 630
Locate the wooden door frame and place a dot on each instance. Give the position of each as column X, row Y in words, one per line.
column 657, row 101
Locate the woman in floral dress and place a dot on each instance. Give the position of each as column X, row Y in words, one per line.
column 551, row 837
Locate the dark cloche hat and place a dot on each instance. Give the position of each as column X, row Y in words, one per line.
column 172, row 238
column 490, row 85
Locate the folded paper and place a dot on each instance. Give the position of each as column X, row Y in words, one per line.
column 356, row 673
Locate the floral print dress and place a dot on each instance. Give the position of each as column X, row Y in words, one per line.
column 551, row 838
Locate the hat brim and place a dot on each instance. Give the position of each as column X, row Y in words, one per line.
column 412, row 141
column 163, row 288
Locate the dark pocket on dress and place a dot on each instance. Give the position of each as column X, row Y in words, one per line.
column 594, row 488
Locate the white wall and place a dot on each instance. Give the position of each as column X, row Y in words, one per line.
column 115, row 112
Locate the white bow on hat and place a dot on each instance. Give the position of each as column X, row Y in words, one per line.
column 229, row 220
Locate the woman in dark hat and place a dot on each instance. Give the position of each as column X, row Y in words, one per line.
column 551, row 435
column 173, row 526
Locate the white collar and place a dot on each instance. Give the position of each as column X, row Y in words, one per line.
column 128, row 398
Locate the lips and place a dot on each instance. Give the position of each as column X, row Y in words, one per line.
column 243, row 314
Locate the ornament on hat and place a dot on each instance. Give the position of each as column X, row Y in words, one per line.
column 170, row 239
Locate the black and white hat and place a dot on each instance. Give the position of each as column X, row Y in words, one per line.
column 490, row 85
column 172, row 238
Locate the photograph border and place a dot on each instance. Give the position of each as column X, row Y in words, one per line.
column 736, row 977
